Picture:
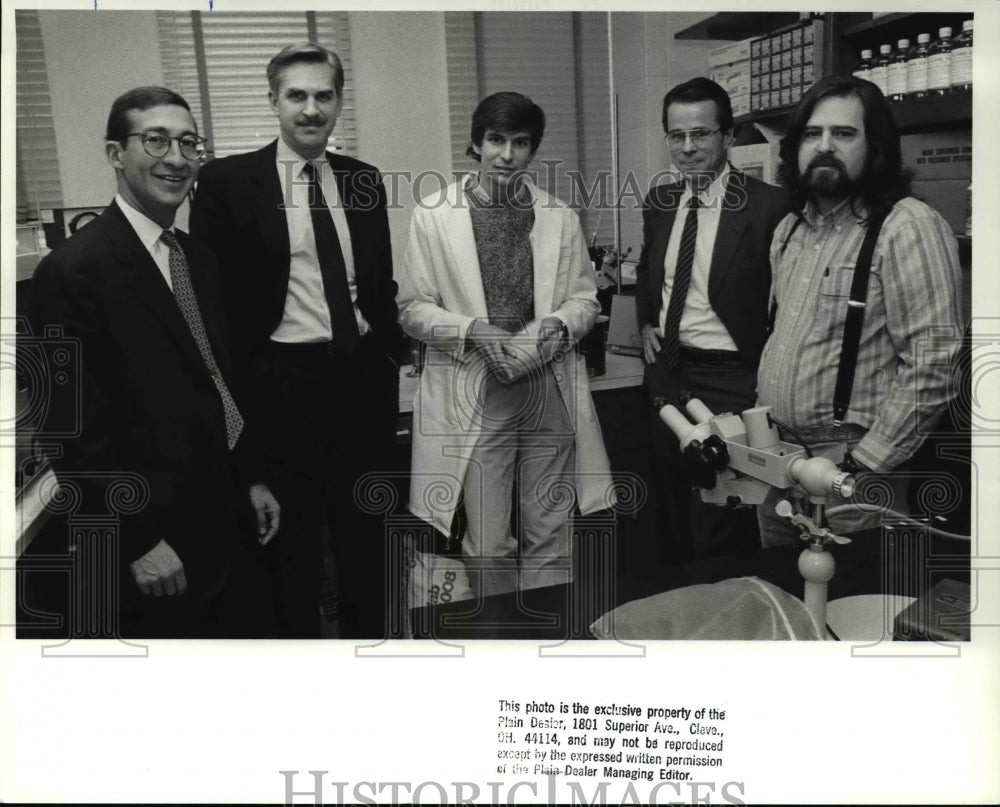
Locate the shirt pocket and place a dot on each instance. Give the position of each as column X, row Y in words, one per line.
column 831, row 306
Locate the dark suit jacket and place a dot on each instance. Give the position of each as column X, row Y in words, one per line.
column 139, row 398
column 238, row 213
column 739, row 280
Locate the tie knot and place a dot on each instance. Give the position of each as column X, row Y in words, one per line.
column 694, row 202
column 311, row 171
column 168, row 238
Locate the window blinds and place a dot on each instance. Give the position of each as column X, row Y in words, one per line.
column 218, row 62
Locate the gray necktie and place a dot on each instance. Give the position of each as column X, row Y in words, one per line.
column 180, row 279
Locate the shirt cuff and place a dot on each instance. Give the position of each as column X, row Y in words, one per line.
column 874, row 453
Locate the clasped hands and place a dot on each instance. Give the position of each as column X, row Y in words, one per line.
column 510, row 356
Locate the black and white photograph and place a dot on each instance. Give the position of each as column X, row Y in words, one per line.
column 476, row 403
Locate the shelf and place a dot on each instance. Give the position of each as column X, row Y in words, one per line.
column 933, row 113
column 774, row 115
column 737, row 25
column 890, row 27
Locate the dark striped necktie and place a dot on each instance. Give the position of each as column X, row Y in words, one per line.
column 180, row 280
column 670, row 348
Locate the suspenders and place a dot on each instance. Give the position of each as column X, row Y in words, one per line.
column 855, row 316
column 852, row 327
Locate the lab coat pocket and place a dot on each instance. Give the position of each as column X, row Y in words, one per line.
column 831, row 304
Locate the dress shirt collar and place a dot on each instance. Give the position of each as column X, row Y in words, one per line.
column 287, row 156
column 712, row 196
column 842, row 214
column 148, row 230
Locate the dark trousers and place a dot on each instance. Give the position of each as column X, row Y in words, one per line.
column 239, row 607
column 326, row 421
column 724, row 383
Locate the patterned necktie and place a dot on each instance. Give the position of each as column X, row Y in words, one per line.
column 332, row 267
column 670, row 353
column 180, row 279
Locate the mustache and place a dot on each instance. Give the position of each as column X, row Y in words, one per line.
column 825, row 161
column 316, row 120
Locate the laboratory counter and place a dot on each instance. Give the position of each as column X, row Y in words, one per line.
column 901, row 562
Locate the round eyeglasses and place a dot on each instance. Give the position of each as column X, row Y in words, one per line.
column 157, row 144
column 699, row 137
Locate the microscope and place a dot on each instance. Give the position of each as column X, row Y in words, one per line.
column 736, row 459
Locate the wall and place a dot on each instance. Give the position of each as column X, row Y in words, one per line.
column 402, row 105
column 399, row 63
column 86, row 73
column 648, row 61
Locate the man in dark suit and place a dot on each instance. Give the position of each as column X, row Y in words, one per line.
column 703, row 281
column 303, row 238
column 157, row 429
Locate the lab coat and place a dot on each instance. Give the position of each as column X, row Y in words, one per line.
column 441, row 294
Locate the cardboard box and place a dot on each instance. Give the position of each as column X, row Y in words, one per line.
column 938, row 155
column 727, row 54
column 949, row 197
column 732, row 77
column 741, row 104
column 759, row 160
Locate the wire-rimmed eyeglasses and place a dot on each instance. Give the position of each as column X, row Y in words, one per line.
column 699, row 137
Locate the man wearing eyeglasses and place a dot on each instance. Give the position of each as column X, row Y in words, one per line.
column 302, row 235
column 158, row 443
column 702, row 301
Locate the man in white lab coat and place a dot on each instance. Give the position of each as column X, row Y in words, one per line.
column 497, row 282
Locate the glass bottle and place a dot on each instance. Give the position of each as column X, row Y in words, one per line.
column 916, row 67
column 939, row 64
column 897, row 71
column 863, row 69
column 880, row 69
column 961, row 59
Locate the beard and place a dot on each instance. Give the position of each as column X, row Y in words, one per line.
column 826, row 177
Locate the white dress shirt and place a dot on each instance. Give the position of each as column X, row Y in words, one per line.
column 149, row 233
column 307, row 316
column 700, row 326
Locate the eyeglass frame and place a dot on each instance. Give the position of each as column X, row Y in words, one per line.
column 199, row 141
column 699, row 137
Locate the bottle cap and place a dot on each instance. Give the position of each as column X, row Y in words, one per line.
column 866, row 54
column 967, row 25
column 942, row 32
column 923, row 39
column 903, row 44
column 885, row 49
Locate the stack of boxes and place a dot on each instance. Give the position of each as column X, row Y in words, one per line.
column 729, row 67
column 784, row 64
column 941, row 163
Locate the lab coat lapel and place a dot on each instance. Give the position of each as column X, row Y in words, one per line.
column 461, row 243
column 546, row 243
